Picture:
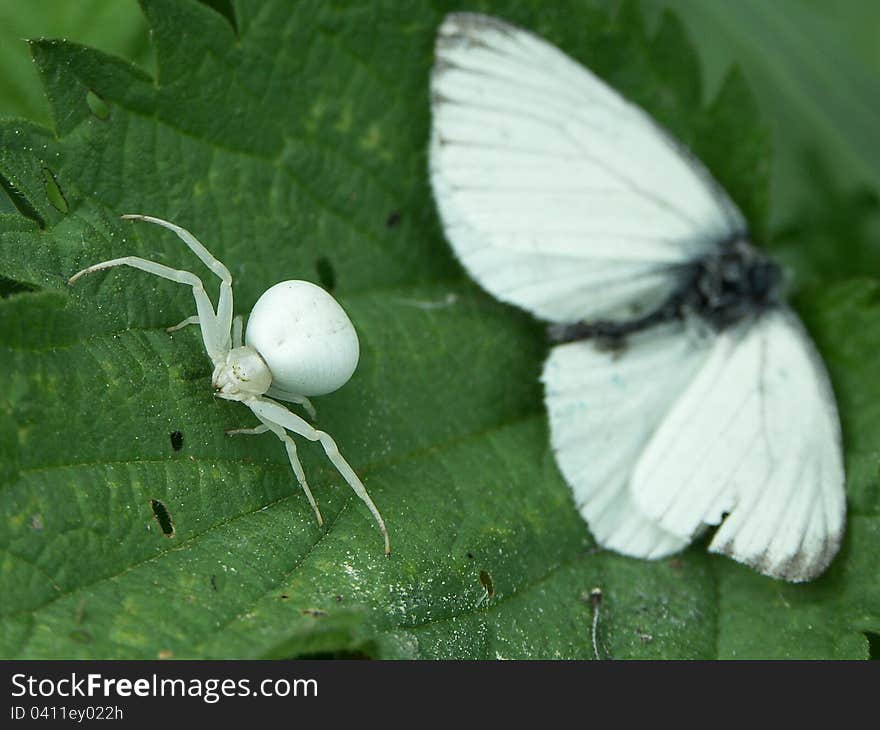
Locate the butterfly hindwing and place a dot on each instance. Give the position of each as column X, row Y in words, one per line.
column 754, row 440
column 603, row 409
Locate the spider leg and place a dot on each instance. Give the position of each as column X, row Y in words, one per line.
column 224, row 302
column 262, row 428
column 270, row 412
column 212, row 337
column 237, row 328
column 300, row 400
column 290, row 445
column 188, row 321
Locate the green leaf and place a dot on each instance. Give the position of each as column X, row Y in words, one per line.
column 292, row 143
column 814, row 67
column 115, row 26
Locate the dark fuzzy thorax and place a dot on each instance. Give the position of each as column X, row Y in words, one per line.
column 722, row 288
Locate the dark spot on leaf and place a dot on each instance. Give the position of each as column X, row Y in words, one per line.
column 176, row 440
column 338, row 599
column 314, row 612
column 214, row 582
column 160, row 512
column 873, row 645
column 326, row 273
column 284, row 596
column 393, row 219
column 486, row 580
column 98, row 107
column 20, row 202
column 342, row 654
column 54, row 192
column 470, row 556
column 11, row 287
column 225, row 8
column 80, row 636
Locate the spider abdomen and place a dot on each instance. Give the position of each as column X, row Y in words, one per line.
column 305, row 337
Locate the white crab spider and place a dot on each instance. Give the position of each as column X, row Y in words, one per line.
column 299, row 342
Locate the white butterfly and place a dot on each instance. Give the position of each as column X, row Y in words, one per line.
column 560, row 196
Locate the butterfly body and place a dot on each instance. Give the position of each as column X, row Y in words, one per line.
column 720, row 288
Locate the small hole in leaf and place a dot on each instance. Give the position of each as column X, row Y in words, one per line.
column 11, row 287
column 176, row 440
column 98, row 107
column 393, row 218
column 160, row 512
column 326, row 273
column 486, row 580
column 20, row 202
column 218, row 581
column 53, row 191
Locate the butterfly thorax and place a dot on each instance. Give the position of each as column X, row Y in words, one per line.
column 732, row 282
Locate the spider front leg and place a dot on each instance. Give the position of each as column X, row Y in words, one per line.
column 272, row 413
column 217, row 267
column 215, row 339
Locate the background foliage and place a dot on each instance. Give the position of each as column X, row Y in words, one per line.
column 290, row 137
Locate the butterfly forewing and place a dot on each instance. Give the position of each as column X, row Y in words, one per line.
column 557, row 194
